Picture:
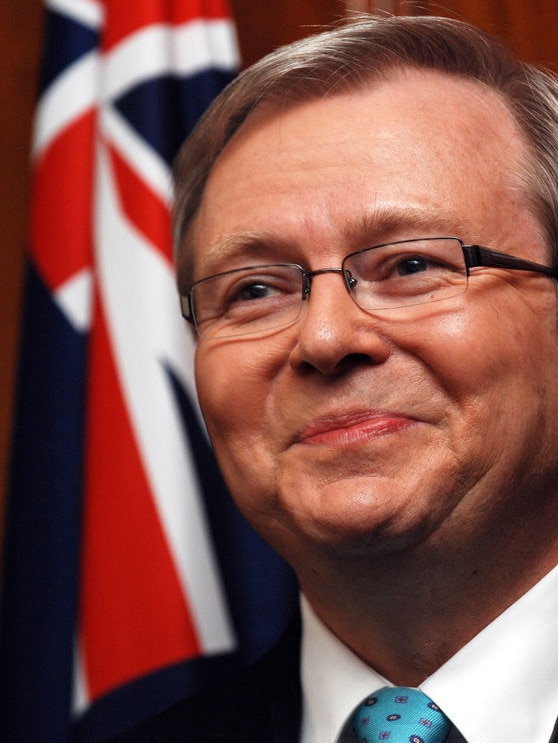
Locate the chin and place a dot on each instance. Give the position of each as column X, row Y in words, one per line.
column 346, row 541
column 359, row 529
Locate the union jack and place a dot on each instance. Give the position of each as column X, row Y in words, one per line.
column 121, row 590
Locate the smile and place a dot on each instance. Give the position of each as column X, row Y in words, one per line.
column 349, row 429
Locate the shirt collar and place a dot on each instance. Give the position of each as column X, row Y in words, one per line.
column 510, row 669
column 334, row 680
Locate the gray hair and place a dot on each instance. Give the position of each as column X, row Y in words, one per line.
column 350, row 57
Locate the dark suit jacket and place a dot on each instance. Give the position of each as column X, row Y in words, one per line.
column 263, row 704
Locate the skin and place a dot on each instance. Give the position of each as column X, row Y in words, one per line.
column 403, row 461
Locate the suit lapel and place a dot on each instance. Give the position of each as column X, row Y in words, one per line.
column 285, row 693
column 267, row 703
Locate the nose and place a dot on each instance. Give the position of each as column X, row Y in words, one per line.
column 334, row 334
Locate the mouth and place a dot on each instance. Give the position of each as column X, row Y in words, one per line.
column 346, row 429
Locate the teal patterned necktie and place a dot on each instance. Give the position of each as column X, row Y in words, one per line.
column 400, row 715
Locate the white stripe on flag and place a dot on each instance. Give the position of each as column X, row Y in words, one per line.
column 212, row 40
column 148, row 165
column 159, row 49
column 142, row 329
column 73, row 93
column 87, row 12
column 74, row 298
column 80, row 694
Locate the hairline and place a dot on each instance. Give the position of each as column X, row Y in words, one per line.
column 279, row 96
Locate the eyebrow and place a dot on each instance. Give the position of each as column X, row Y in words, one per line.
column 384, row 222
column 240, row 245
column 389, row 222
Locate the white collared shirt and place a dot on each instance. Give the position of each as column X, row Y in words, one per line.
column 502, row 687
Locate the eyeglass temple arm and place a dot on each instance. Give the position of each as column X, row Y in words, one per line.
column 186, row 308
column 476, row 255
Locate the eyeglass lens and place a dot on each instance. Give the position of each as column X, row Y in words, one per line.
column 258, row 299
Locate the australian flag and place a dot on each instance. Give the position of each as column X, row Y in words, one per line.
column 129, row 578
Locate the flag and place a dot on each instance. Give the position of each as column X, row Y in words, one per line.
column 130, row 580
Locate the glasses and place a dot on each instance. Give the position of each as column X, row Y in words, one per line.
column 257, row 299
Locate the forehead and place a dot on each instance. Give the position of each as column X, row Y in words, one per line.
column 409, row 139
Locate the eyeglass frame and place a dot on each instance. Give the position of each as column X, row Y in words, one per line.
column 474, row 256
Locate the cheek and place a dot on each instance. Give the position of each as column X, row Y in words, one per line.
column 498, row 365
column 234, row 386
column 472, row 351
column 224, row 391
column 234, row 382
column 451, row 354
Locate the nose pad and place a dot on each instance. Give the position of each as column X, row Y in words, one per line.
column 348, row 279
column 333, row 337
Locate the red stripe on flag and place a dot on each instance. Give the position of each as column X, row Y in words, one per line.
column 134, row 614
column 142, row 207
column 121, row 21
column 60, row 234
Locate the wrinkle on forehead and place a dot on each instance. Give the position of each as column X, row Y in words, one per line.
column 489, row 125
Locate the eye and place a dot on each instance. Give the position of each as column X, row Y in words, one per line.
column 264, row 289
column 251, row 291
column 399, row 262
column 407, row 272
column 412, row 264
column 399, row 274
column 252, row 288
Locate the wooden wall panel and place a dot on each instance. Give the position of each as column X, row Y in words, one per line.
column 20, row 31
column 260, row 30
column 532, row 28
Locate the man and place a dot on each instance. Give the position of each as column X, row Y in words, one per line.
column 380, row 391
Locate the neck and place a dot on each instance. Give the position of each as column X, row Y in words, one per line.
column 406, row 614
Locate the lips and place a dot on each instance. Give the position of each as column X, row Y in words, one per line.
column 349, row 428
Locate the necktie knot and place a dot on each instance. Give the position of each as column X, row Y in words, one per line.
column 400, row 715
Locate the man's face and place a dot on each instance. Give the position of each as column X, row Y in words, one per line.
column 370, row 433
